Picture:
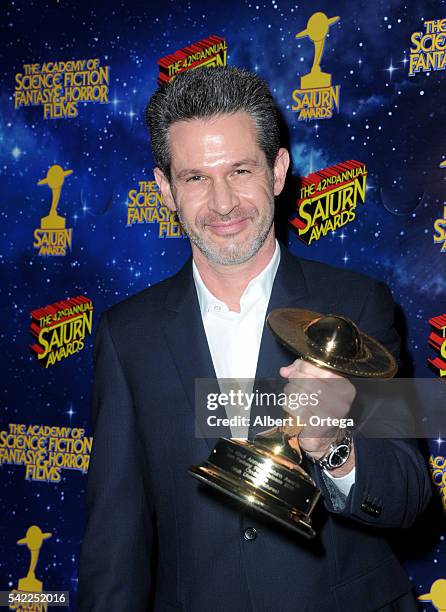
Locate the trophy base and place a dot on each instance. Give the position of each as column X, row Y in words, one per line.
column 52, row 222
column 269, row 506
column 30, row 584
column 315, row 80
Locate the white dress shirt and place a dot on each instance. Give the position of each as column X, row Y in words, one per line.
column 234, row 337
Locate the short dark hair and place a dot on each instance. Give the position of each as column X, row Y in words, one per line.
column 207, row 92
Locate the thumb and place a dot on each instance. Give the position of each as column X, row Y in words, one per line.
column 286, row 370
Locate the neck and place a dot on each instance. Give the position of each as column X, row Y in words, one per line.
column 228, row 283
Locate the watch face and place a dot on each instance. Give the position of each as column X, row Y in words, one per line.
column 339, row 456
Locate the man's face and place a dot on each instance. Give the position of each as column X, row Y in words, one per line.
column 221, row 186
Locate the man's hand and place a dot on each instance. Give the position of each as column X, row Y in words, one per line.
column 335, row 396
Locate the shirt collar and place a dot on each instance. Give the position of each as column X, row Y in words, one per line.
column 261, row 285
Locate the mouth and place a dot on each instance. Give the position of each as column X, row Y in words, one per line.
column 226, row 228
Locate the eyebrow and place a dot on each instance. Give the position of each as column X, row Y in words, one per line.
column 243, row 162
column 188, row 171
column 246, row 162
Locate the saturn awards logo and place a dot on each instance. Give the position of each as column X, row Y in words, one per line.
column 437, row 341
column 316, row 98
column 328, row 200
column 210, row 52
column 53, row 237
column 60, row 329
column 440, row 231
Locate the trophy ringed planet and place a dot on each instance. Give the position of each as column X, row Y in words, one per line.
column 317, row 27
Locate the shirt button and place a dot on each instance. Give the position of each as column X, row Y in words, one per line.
column 217, row 308
column 250, row 533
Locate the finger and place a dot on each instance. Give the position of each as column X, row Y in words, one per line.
column 289, row 370
column 299, row 369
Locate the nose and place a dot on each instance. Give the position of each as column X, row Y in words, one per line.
column 222, row 199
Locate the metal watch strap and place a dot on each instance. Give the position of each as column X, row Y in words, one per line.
column 336, row 455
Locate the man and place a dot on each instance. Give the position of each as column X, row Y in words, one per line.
column 155, row 538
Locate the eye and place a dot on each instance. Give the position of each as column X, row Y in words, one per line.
column 242, row 171
column 194, row 179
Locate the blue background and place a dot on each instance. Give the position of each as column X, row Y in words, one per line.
column 393, row 123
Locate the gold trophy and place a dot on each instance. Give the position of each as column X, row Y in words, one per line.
column 266, row 473
column 54, row 179
column 317, row 30
column 437, row 595
column 33, row 540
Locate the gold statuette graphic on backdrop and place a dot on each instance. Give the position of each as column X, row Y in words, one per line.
column 266, row 473
column 34, row 539
column 437, row 595
column 316, row 98
column 54, row 179
column 317, row 30
column 53, row 238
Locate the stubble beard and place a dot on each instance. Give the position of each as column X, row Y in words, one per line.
column 235, row 250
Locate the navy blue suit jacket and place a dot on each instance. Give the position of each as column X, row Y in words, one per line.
column 156, row 539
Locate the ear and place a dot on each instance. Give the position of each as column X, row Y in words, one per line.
column 165, row 189
column 281, row 165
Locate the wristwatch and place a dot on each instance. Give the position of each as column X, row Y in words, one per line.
column 336, row 455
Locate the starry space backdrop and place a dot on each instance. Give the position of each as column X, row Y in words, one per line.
column 393, row 123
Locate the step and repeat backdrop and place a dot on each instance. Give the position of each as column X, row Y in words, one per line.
column 361, row 88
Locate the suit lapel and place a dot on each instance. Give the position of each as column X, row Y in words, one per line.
column 186, row 338
column 289, row 291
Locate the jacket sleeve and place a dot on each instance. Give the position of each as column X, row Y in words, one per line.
column 392, row 484
column 114, row 568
